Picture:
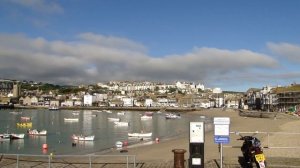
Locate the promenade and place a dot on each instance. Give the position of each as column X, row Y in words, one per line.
column 8, row 162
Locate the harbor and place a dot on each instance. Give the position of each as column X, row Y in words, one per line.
column 63, row 124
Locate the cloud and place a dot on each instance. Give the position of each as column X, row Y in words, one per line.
column 43, row 6
column 289, row 51
column 92, row 58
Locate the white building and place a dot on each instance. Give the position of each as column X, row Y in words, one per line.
column 100, row 97
column 162, row 102
column 148, row 102
column 68, row 103
column 127, row 102
column 88, row 100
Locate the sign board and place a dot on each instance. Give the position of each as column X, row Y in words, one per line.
column 196, row 161
column 221, row 120
column 222, row 139
column 196, row 132
column 222, row 130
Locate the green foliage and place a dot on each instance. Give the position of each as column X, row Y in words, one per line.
column 172, row 90
column 69, row 90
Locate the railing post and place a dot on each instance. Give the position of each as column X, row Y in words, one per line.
column 127, row 160
column 134, row 161
column 268, row 139
column 17, row 161
column 49, row 161
column 90, row 161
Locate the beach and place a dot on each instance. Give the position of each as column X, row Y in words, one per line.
column 162, row 151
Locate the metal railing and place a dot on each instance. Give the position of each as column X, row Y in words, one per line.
column 24, row 160
column 268, row 146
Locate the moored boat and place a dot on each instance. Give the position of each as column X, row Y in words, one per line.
column 140, row 135
column 120, row 123
column 172, row 116
column 113, row 119
column 37, row 132
column 5, row 137
column 83, row 138
column 121, row 113
column 149, row 113
column 53, row 108
column 17, row 136
column 25, row 118
column 71, row 119
column 26, row 124
column 119, row 144
column 145, row 117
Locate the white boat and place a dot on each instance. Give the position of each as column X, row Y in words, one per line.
column 5, row 137
column 113, row 119
column 119, row 144
column 120, row 123
column 121, row 113
column 25, row 118
column 17, row 136
column 140, row 135
column 172, row 116
column 71, row 119
column 53, row 108
column 83, row 138
column 144, row 117
column 36, row 132
column 108, row 111
column 15, row 112
column 149, row 113
column 75, row 113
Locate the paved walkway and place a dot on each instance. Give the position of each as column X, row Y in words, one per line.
column 6, row 162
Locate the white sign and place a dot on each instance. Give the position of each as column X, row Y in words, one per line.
column 222, row 130
column 196, row 132
column 196, row 161
column 222, row 120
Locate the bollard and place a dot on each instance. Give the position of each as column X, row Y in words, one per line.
column 178, row 158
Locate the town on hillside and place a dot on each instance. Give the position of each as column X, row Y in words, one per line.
column 147, row 94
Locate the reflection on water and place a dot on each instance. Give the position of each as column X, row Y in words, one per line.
column 96, row 123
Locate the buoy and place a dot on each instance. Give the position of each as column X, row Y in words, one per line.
column 157, row 140
column 45, row 146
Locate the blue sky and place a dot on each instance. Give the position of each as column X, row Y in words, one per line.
column 234, row 45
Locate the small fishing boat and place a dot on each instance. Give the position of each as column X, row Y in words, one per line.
column 107, row 111
column 140, row 135
column 120, row 123
column 113, row 119
column 36, row 132
column 75, row 113
column 15, row 112
column 17, row 136
column 119, row 144
column 149, row 113
column 83, row 138
column 71, row 119
column 5, row 137
column 26, row 124
column 53, row 108
column 25, row 118
column 145, row 117
column 121, row 113
column 172, row 116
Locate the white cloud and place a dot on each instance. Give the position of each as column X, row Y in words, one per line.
column 94, row 58
column 289, row 51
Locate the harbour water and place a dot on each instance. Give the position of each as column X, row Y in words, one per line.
column 90, row 122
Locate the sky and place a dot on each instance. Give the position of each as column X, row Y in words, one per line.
column 233, row 45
